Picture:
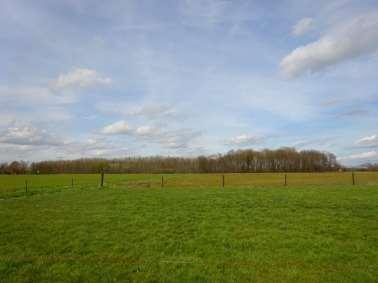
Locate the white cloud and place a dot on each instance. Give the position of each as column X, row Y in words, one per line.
column 314, row 143
column 79, row 78
column 370, row 141
column 92, row 147
column 149, row 111
column 364, row 155
column 170, row 139
column 353, row 39
column 147, row 131
column 303, row 26
column 244, row 140
column 117, row 128
column 153, row 111
column 26, row 134
column 177, row 139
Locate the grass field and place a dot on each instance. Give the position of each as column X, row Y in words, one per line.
column 298, row 233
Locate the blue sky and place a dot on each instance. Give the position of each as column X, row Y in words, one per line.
column 126, row 78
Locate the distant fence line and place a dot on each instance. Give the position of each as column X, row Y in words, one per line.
column 32, row 184
column 238, row 179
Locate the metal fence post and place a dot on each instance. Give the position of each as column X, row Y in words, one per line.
column 162, row 181
column 26, row 186
column 222, row 181
column 72, row 182
column 285, row 179
column 353, row 179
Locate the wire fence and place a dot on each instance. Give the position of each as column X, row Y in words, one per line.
column 23, row 185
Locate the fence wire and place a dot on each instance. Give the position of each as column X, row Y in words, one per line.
column 21, row 185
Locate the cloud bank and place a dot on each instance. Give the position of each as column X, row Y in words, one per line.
column 117, row 128
column 26, row 134
column 355, row 38
column 79, row 78
column 167, row 138
column 369, row 141
column 244, row 140
column 370, row 155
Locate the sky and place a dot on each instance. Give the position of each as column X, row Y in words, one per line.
column 187, row 77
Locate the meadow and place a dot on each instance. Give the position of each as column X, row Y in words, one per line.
column 191, row 229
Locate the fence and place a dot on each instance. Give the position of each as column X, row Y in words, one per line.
column 18, row 185
column 243, row 179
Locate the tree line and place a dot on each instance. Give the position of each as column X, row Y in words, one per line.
column 235, row 161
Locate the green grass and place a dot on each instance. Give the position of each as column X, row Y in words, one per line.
column 261, row 234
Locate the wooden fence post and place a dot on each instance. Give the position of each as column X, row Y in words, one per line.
column 353, row 179
column 162, row 181
column 26, row 186
column 102, row 178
